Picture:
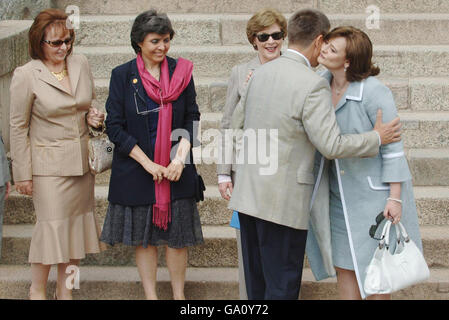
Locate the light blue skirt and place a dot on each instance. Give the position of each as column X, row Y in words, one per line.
column 341, row 251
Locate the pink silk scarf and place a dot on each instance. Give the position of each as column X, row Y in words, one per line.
column 164, row 92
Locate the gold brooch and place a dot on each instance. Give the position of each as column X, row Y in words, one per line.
column 135, row 81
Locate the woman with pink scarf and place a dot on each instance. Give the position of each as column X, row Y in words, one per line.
column 154, row 184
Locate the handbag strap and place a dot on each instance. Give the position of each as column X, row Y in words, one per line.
column 94, row 132
column 400, row 230
column 385, row 235
column 403, row 232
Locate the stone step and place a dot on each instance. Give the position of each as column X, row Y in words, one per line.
column 219, row 249
column 123, row 283
column 425, row 129
column 435, row 288
column 420, row 130
column 116, row 7
column 432, row 204
column 394, row 61
column 415, row 94
column 227, row 29
column 384, row 6
column 429, row 167
column 213, row 210
column 211, row 93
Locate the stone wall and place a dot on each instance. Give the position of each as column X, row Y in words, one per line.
column 22, row 9
column 15, row 19
column 14, row 51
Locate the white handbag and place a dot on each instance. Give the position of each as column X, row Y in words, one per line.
column 388, row 272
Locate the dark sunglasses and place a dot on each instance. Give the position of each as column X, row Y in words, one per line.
column 265, row 36
column 58, row 43
column 372, row 230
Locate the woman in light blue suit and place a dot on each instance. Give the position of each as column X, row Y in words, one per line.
column 358, row 189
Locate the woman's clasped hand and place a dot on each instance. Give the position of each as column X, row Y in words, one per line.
column 172, row 172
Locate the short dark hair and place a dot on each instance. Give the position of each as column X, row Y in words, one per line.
column 47, row 18
column 359, row 52
column 305, row 25
column 149, row 22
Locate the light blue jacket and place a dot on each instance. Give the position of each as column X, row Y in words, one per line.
column 363, row 183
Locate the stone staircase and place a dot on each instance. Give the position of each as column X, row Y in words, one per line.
column 412, row 50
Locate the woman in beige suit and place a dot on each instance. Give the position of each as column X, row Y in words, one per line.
column 266, row 31
column 51, row 100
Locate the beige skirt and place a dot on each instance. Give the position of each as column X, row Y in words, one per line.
column 66, row 226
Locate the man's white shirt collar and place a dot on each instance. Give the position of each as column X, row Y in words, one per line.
column 297, row 52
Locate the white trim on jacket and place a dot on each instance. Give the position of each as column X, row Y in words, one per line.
column 393, row 155
column 359, row 98
column 351, row 244
column 371, row 185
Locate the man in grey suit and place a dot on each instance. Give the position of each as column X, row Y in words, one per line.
column 287, row 96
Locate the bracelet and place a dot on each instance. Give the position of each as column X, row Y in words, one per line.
column 393, row 199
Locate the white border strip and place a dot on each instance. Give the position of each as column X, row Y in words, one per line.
column 393, row 155
column 370, row 182
column 359, row 98
column 351, row 245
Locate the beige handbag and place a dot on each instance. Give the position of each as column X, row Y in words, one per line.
column 100, row 151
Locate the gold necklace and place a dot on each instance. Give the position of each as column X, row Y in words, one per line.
column 60, row 75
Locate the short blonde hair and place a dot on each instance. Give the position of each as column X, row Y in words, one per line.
column 263, row 19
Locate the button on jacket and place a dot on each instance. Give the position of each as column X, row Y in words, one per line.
column 49, row 132
column 130, row 184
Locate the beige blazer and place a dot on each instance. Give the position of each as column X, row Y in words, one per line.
column 287, row 96
column 49, row 132
column 236, row 87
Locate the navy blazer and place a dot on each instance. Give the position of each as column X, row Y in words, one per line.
column 130, row 183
